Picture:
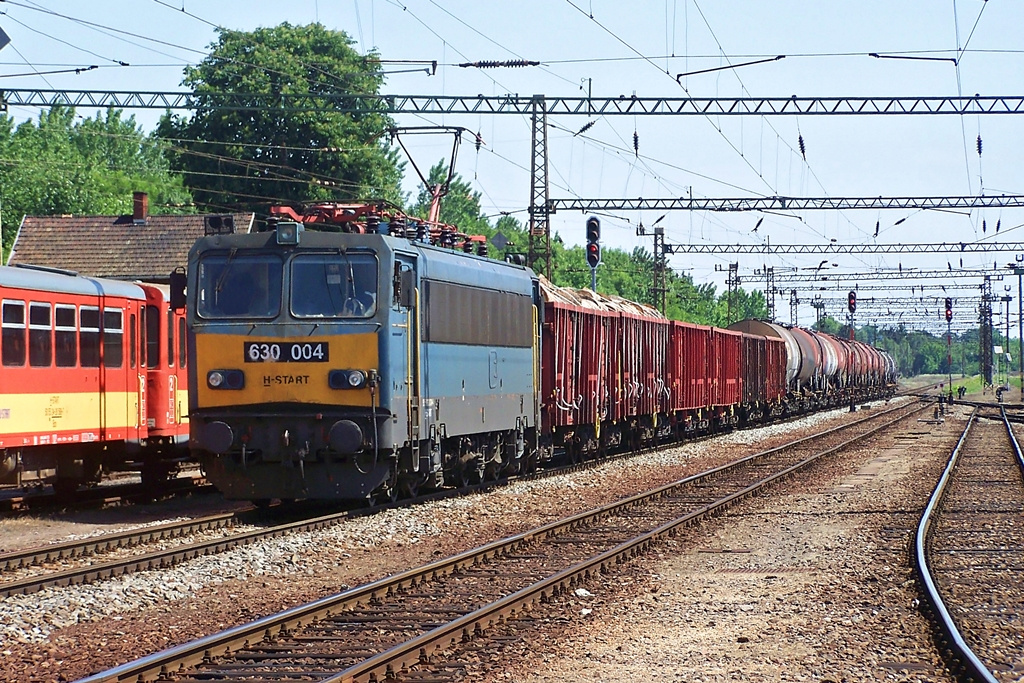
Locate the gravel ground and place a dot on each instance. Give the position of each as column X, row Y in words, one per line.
column 811, row 585
column 64, row 634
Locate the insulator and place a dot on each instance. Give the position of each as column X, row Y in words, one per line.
column 467, row 247
column 422, row 233
column 493, row 64
column 979, row 144
column 636, row 143
column 372, row 223
column 481, row 249
column 984, row 225
column 397, row 227
column 587, row 126
column 479, row 141
column 803, row 150
column 998, row 223
column 447, row 238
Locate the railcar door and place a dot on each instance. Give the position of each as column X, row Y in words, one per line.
column 404, row 354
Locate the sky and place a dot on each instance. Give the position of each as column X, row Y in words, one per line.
column 612, row 49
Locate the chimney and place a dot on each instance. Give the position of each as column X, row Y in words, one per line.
column 140, row 208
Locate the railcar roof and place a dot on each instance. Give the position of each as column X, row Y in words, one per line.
column 12, row 277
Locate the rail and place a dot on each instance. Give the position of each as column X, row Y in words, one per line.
column 949, row 632
column 434, row 640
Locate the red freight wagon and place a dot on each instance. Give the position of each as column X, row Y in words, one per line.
column 775, row 369
column 752, row 368
column 689, row 367
column 728, row 390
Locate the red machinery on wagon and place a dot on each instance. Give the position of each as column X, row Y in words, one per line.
column 92, row 379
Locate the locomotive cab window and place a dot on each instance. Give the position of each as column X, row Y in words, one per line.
column 12, row 338
column 239, row 286
column 339, row 285
column 40, row 335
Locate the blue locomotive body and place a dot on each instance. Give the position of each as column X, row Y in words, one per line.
column 350, row 366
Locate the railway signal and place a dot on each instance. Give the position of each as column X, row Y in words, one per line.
column 949, row 309
column 593, row 242
column 851, row 301
column 593, row 249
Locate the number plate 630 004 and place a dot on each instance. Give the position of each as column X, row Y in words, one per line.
column 286, row 352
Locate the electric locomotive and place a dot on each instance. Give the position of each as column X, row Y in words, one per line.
column 361, row 361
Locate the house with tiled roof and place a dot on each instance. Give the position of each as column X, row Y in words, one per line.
column 129, row 247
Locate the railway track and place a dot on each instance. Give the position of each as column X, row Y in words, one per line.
column 82, row 561
column 970, row 553
column 428, row 618
column 14, row 501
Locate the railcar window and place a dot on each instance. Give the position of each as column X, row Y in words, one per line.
column 170, row 339
column 336, row 285
column 89, row 336
column 66, row 337
column 152, row 337
column 133, row 343
column 113, row 338
column 233, row 285
column 40, row 335
column 12, row 338
column 182, row 339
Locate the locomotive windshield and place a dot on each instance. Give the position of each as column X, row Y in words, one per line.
column 338, row 285
column 235, row 285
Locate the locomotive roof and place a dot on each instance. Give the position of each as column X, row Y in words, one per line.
column 66, row 283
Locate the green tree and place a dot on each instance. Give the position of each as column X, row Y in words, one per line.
column 64, row 164
column 250, row 158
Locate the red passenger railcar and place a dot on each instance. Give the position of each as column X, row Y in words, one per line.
column 75, row 377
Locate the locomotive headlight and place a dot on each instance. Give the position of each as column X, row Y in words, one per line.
column 225, row 379
column 346, row 379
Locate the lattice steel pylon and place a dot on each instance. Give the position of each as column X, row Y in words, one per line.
column 985, row 329
column 660, row 266
column 769, row 292
column 540, row 218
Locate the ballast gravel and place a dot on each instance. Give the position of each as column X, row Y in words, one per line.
column 67, row 633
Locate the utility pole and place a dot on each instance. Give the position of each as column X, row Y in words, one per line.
column 540, row 214
column 732, row 282
column 985, row 338
column 1018, row 270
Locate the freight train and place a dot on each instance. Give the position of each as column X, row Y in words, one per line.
column 92, row 379
column 351, row 352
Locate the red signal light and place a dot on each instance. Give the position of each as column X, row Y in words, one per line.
column 949, row 309
column 593, row 254
column 851, row 301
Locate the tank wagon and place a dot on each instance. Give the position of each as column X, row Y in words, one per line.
column 381, row 355
column 92, row 379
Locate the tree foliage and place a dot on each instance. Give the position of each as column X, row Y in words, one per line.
column 63, row 164
column 247, row 159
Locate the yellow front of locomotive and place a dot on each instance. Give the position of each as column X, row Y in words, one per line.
column 286, row 374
